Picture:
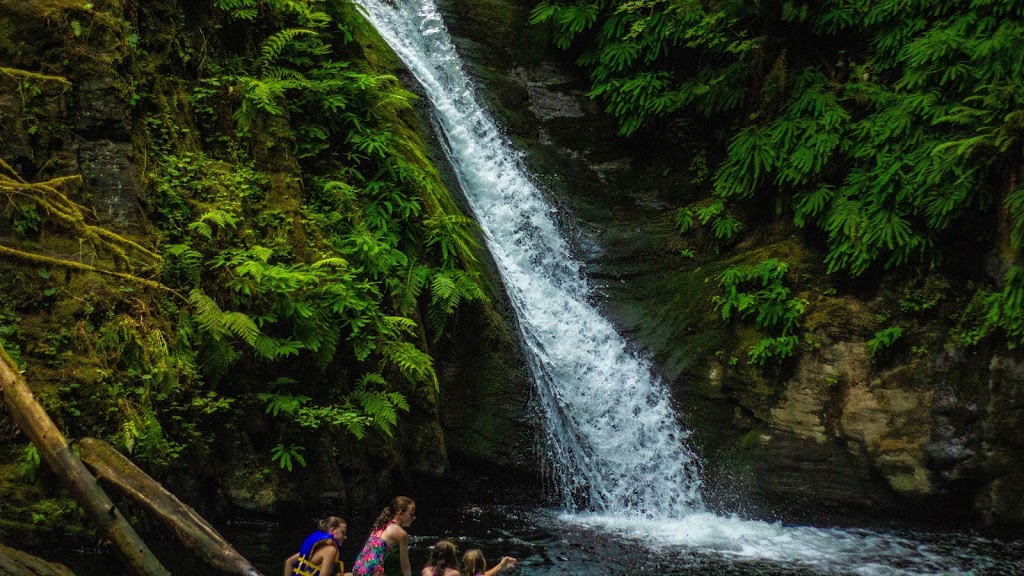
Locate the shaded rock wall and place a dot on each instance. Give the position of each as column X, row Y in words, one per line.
column 928, row 426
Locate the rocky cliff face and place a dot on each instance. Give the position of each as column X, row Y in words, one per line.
column 925, row 426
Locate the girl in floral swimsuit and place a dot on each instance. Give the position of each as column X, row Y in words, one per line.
column 388, row 532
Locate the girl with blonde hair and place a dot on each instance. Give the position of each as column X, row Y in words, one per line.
column 319, row 553
column 474, row 564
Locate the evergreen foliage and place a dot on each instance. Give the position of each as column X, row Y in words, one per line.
column 375, row 244
column 757, row 292
column 881, row 127
column 311, row 251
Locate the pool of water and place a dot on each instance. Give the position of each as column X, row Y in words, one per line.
column 548, row 542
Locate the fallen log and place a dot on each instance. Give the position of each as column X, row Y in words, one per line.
column 192, row 529
column 36, row 424
column 17, row 563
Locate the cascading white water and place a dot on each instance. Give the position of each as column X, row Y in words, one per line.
column 609, row 420
column 615, row 439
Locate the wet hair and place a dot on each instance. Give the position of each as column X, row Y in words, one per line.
column 443, row 555
column 473, row 562
column 328, row 523
column 398, row 505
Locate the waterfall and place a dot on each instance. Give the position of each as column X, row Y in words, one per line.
column 620, row 453
column 614, row 438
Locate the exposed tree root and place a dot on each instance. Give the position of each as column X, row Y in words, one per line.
column 58, row 208
column 79, row 266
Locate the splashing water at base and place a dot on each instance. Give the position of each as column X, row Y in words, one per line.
column 825, row 550
column 613, row 435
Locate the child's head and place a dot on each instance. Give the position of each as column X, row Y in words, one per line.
column 473, row 562
column 334, row 526
column 402, row 510
column 444, row 554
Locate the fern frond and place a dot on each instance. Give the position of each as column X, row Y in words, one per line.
column 208, row 314
column 413, row 363
column 396, row 325
column 277, row 43
column 443, row 291
column 201, row 228
column 220, row 218
column 334, row 262
column 242, row 325
column 1014, row 203
column 371, row 378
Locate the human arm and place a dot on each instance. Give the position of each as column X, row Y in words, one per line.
column 403, row 552
column 506, row 563
column 328, row 559
column 289, row 562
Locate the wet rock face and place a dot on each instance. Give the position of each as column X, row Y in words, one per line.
column 1002, row 500
column 934, row 430
column 74, row 121
column 111, row 173
column 546, row 98
column 107, row 157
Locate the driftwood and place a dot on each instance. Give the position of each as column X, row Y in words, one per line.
column 53, row 448
column 16, row 563
column 192, row 529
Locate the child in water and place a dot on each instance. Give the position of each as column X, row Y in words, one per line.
column 444, row 560
column 319, row 553
column 473, row 564
column 387, row 534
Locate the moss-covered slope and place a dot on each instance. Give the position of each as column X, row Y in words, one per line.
column 287, row 312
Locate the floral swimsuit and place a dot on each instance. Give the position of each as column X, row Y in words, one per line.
column 371, row 560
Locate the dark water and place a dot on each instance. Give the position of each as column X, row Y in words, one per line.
column 547, row 544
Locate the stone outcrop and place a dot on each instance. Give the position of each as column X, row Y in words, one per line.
column 928, row 425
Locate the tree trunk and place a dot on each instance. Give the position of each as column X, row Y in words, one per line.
column 191, row 528
column 53, row 447
column 17, row 563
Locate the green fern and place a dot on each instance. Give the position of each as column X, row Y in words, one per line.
column 382, row 408
column 443, row 292
column 219, row 217
column 386, row 247
column 279, row 41
column 220, row 324
column 758, row 293
column 884, row 339
column 283, row 403
column 412, row 362
column 240, row 9
column 454, row 235
column 751, row 155
column 287, row 456
column 911, row 128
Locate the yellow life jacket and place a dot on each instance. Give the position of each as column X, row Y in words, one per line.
column 305, row 567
